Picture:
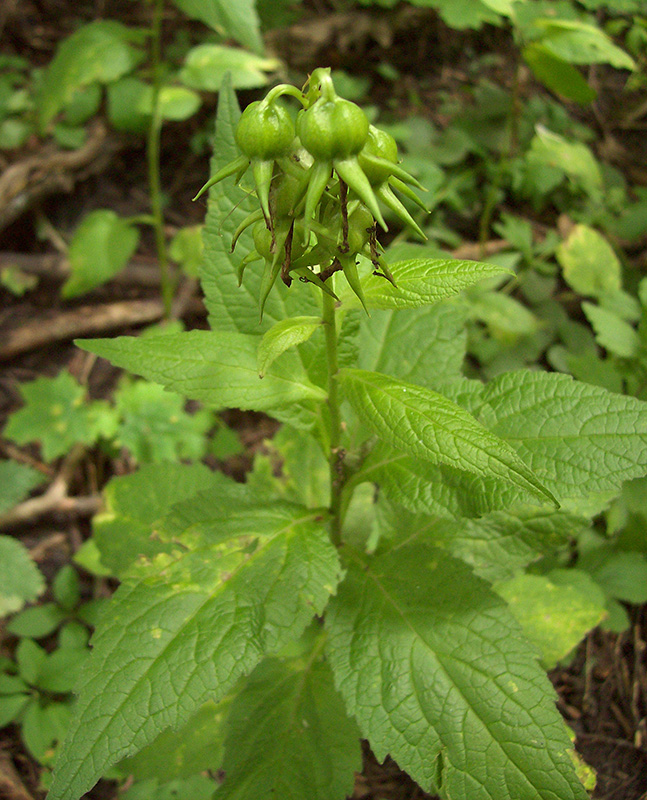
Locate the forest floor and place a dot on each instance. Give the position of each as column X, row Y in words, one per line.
column 602, row 691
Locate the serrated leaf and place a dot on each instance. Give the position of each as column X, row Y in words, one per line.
column 612, row 332
column 237, row 20
column 100, row 248
column 16, row 481
column 100, row 51
column 20, row 579
column 56, row 415
column 554, row 614
column 135, row 504
column 216, row 367
column 282, row 336
column 417, row 345
column 497, row 545
column 432, row 665
column 424, row 424
column 421, row 282
column 195, row 623
column 578, row 439
column 207, row 64
column 289, row 735
column 434, row 489
column 589, row 263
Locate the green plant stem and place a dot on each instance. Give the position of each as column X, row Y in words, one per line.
column 153, row 157
column 335, row 455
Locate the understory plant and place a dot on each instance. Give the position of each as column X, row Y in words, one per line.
column 352, row 587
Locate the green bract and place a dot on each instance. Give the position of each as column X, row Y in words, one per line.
column 319, row 187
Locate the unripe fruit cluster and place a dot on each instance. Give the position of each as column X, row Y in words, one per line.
column 318, row 184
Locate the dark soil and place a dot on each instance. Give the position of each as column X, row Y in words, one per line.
column 603, row 692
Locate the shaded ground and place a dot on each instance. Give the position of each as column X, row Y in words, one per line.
column 602, row 693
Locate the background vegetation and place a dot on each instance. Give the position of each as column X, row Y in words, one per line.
column 526, row 121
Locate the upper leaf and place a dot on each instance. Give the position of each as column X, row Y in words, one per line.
column 422, row 282
column 425, row 424
column 578, row 439
column 433, row 666
column 289, row 735
column 218, row 368
column 192, row 625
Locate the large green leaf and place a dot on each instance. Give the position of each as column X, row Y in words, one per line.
column 244, row 582
column 289, row 735
column 424, row 424
column 578, row 439
column 432, row 665
column 421, row 346
column 238, row 20
column 421, row 282
column 219, row 368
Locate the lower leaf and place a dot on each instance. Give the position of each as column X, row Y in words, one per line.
column 198, row 620
column 432, row 665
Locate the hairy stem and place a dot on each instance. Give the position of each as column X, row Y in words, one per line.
column 335, row 457
column 153, row 157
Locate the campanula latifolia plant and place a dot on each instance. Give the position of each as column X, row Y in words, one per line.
column 356, row 594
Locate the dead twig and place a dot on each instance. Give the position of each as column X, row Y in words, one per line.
column 56, row 499
column 51, row 170
column 84, row 321
column 11, row 786
column 55, row 266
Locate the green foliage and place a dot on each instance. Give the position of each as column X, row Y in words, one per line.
column 100, row 248
column 396, row 501
column 20, row 579
column 16, row 481
column 56, row 416
column 99, row 52
column 36, row 686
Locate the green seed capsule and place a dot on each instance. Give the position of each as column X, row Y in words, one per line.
column 332, row 129
column 265, row 132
